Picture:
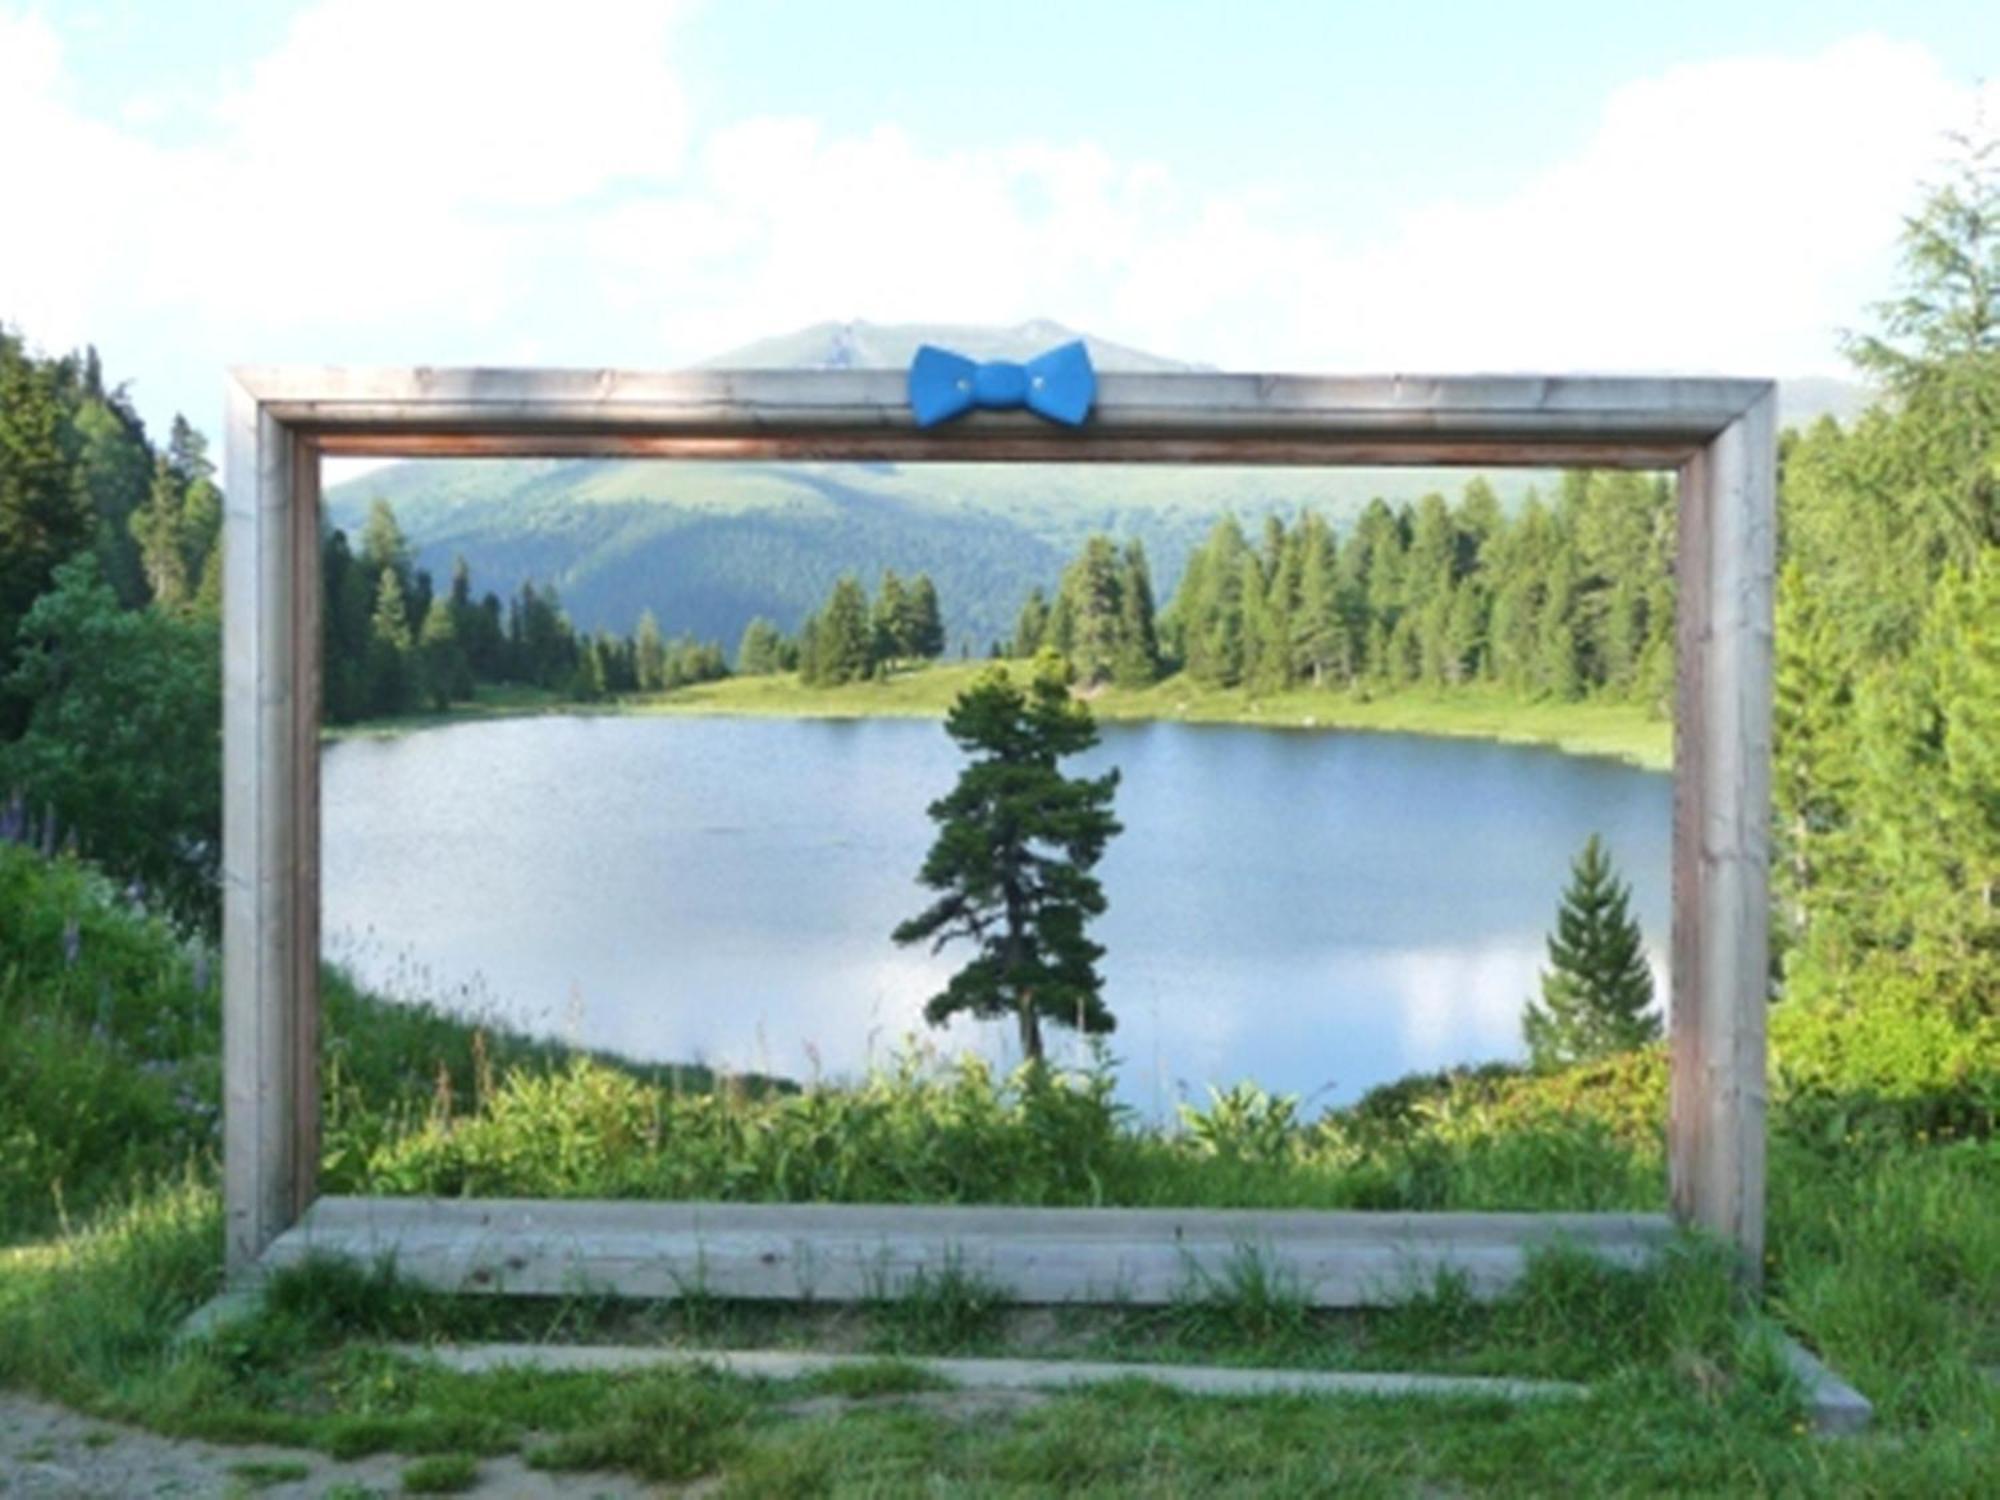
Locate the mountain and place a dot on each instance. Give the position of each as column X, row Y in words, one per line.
column 707, row 546
column 891, row 346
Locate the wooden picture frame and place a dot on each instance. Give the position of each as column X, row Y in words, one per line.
column 1718, row 435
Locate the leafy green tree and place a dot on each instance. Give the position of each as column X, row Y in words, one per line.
column 44, row 517
column 123, row 741
column 1017, row 842
column 1597, row 992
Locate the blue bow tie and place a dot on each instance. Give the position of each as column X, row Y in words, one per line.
column 1059, row 385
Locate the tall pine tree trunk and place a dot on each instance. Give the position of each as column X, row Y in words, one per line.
column 1031, row 1029
column 1017, row 938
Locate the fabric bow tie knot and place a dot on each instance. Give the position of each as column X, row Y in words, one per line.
column 1058, row 385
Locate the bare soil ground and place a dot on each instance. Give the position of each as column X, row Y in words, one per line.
column 48, row 1453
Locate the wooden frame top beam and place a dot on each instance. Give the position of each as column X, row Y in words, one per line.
column 1186, row 417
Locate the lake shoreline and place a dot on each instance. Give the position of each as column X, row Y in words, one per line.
column 1619, row 731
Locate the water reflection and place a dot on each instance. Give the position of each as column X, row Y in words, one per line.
column 1319, row 911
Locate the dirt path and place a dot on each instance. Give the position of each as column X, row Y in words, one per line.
column 48, row 1453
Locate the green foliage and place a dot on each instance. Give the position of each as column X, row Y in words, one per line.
column 441, row 1474
column 1597, row 993
column 1244, row 1123
column 1888, row 663
column 1558, row 603
column 44, row 516
column 949, row 1310
column 1016, row 843
column 665, row 1425
column 391, row 646
column 1885, row 1246
column 1103, row 617
column 762, row 651
column 122, row 744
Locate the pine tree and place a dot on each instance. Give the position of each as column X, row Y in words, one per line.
column 1017, row 841
column 925, row 631
column 649, row 654
column 844, row 641
column 156, row 527
column 383, row 544
column 446, row 675
column 1090, row 590
column 761, row 651
column 1137, row 662
column 890, row 623
column 809, row 667
column 1032, row 627
column 1597, row 992
column 1316, row 625
column 389, row 648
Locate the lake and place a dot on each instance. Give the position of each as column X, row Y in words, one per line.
column 1318, row 911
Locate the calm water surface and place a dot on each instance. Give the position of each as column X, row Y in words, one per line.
column 1317, row 911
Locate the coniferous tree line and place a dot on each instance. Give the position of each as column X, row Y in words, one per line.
column 393, row 644
column 851, row 638
column 1887, row 769
column 1568, row 596
column 110, row 585
column 1101, row 619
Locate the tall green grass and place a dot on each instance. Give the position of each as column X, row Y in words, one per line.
column 1884, row 1239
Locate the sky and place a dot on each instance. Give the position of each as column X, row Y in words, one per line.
column 1698, row 188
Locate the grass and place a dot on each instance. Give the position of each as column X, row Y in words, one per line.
column 441, row 1474
column 1884, row 1239
column 1627, row 731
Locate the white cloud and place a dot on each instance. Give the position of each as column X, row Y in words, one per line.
column 400, row 181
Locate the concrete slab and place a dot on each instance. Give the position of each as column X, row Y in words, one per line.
column 997, row 1374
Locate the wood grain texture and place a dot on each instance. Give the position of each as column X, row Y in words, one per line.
column 263, row 656
column 1722, row 793
column 849, row 1252
column 1718, row 432
column 864, row 415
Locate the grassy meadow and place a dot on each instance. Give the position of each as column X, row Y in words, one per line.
column 1884, row 1256
column 1612, row 727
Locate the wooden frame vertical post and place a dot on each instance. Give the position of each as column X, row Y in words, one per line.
column 1722, row 798
column 270, row 828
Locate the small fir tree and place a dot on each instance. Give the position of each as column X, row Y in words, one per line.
column 1017, row 841
column 926, row 619
column 1597, row 992
column 844, row 638
column 762, row 649
column 891, row 623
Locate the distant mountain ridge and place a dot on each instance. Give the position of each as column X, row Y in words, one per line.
column 891, row 346
column 708, row 546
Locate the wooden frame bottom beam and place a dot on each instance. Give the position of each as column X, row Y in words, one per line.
column 855, row 1252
